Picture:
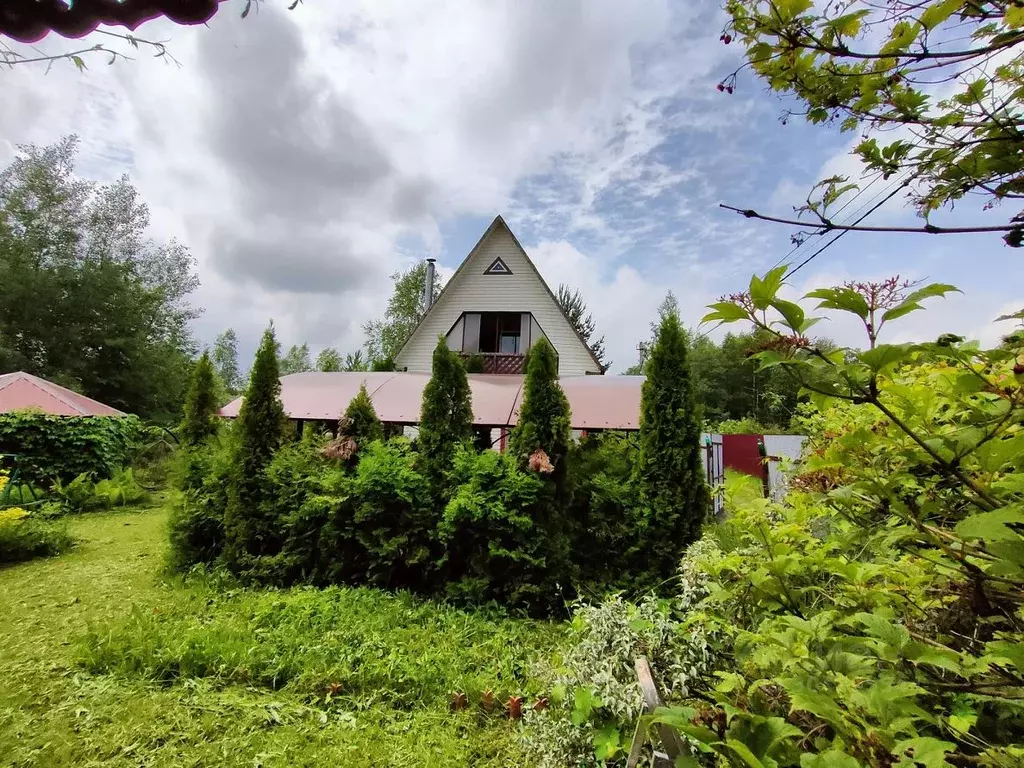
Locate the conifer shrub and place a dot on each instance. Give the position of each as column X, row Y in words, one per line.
column 496, row 546
column 540, row 445
column 196, row 523
column 250, row 525
column 544, row 418
column 446, row 419
column 308, row 498
column 669, row 475
column 475, row 364
column 604, row 510
column 394, row 519
column 200, row 412
column 360, row 421
column 357, row 427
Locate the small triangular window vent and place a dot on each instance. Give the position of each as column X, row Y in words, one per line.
column 498, row 267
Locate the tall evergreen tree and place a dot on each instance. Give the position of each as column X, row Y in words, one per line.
column 250, row 531
column 668, row 471
column 544, row 418
column 200, row 412
column 540, row 443
column 446, row 418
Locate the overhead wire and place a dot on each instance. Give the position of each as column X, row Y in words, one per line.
column 800, row 245
column 855, row 219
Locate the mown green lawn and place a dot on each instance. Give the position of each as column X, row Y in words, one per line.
column 106, row 661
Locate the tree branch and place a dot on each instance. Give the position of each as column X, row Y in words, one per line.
column 827, row 225
column 843, row 52
column 9, row 57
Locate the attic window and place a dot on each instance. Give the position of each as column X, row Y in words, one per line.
column 498, row 267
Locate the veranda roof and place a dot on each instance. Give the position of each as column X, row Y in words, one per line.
column 20, row 390
column 597, row 402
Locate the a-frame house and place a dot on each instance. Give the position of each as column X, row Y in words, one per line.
column 497, row 305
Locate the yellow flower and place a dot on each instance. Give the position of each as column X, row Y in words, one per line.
column 12, row 514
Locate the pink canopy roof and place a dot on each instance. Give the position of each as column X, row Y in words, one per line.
column 20, row 390
column 597, row 402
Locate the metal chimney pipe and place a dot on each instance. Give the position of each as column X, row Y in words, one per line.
column 428, row 285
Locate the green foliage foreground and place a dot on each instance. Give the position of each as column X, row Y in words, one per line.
column 877, row 617
column 108, row 663
column 355, row 647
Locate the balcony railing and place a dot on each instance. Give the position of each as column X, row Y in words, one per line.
column 500, row 362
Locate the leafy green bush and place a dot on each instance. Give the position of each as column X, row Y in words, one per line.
column 24, row 537
column 496, row 534
column 76, row 496
column 596, row 695
column 60, row 448
column 875, row 618
column 84, row 495
column 120, row 490
column 747, row 426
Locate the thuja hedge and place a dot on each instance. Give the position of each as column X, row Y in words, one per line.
column 62, row 447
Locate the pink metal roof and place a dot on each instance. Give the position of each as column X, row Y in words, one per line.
column 597, row 402
column 604, row 402
column 20, row 390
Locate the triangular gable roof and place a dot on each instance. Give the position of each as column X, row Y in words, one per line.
column 20, row 390
column 500, row 222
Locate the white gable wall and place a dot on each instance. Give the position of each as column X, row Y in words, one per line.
column 522, row 291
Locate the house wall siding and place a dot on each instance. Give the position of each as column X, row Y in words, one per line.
column 521, row 291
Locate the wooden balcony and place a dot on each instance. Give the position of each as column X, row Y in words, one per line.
column 498, row 362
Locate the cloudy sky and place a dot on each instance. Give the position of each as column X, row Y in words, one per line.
column 305, row 155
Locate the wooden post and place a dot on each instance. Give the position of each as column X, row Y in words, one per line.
column 671, row 742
